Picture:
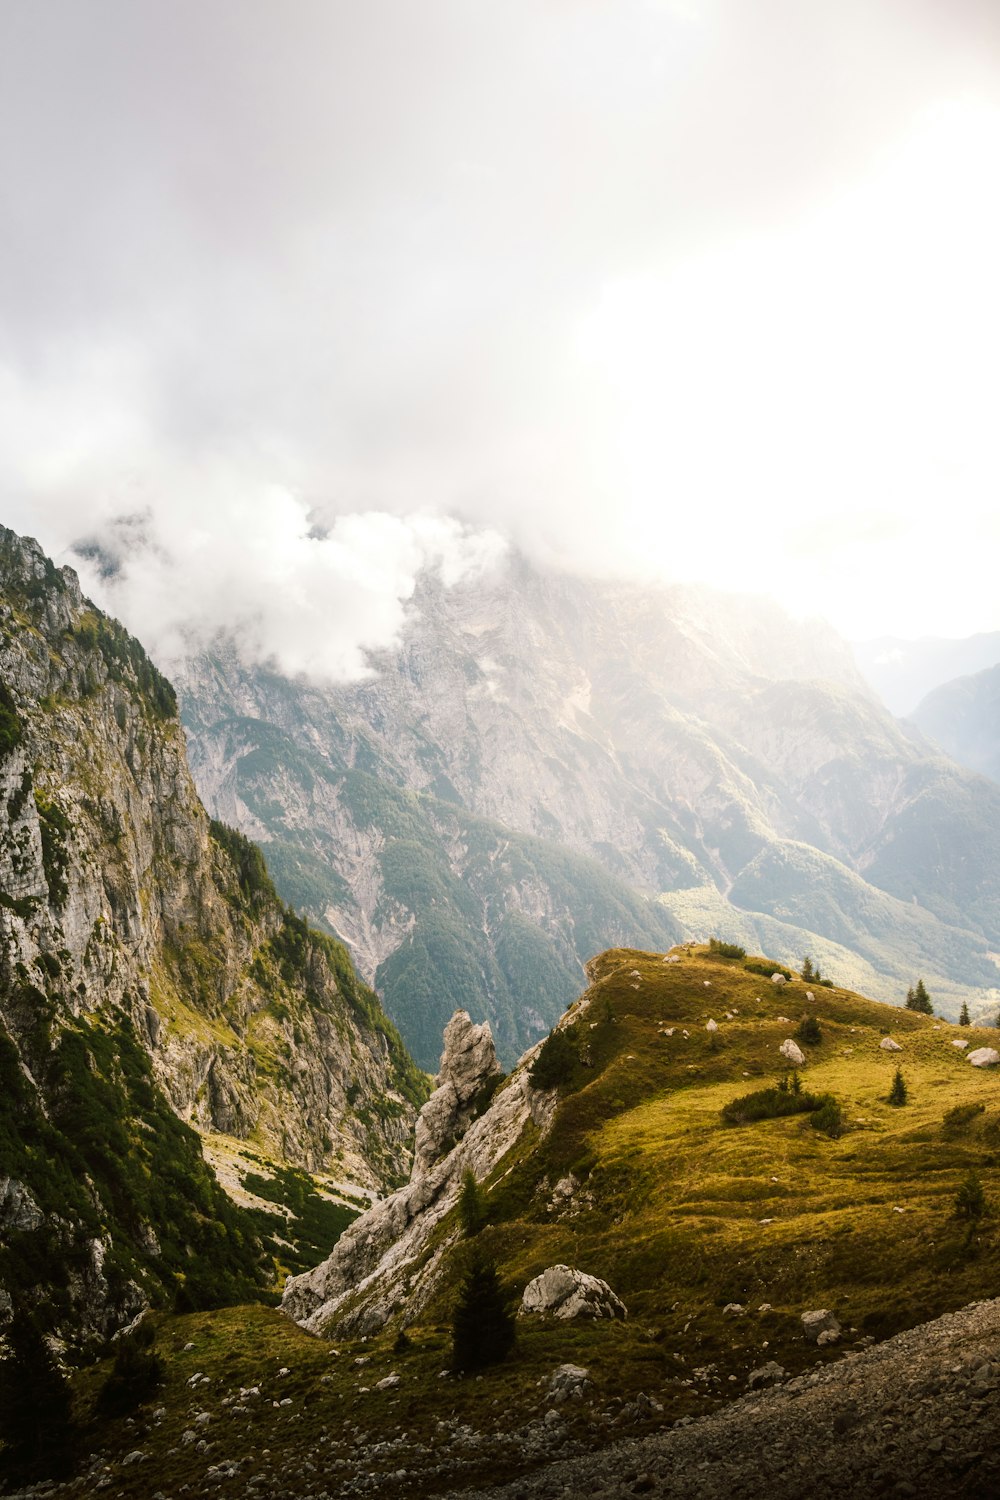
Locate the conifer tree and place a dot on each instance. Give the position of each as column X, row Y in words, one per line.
column 963, row 1019
column 36, row 1411
column 471, row 1205
column 918, row 999
column 482, row 1331
column 807, row 968
column 898, row 1093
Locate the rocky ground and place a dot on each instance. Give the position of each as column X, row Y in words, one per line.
column 915, row 1416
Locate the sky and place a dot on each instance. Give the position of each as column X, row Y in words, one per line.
column 297, row 299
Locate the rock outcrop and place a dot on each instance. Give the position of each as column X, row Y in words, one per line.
column 564, row 1292
column 469, row 1068
column 390, row 1257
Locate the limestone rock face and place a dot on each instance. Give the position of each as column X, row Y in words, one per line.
column 131, row 925
column 565, row 1292
column 379, row 1261
column 468, row 1064
column 984, row 1057
column 793, row 1052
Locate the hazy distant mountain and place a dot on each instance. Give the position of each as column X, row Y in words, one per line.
column 548, row 765
column 964, row 718
column 904, row 672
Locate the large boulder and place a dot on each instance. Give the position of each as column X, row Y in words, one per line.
column 468, row 1063
column 888, row 1045
column 820, row 1324
column 564, row 1292
column 793, row 1052
column 983, row 1057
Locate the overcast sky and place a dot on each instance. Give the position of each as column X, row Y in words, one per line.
column 297, row 297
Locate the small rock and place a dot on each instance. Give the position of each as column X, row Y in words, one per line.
column 778, row 979
column 711, row 1025
column 388, row 1382
column 733, row 1309
column 135, row 1457
column 766, row 1375
column 959, row 1042
column 888, row 1045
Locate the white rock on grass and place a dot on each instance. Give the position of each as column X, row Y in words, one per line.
column 793, row 1052
column 959, row 1042
column 888, row 1045
column 565, row 1292
column 778, row 979
column 568, row 1383
column 711, row 1025
column 984, row 1057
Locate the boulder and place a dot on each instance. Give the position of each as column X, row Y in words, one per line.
column 793, row 1052
column 711, row 1025
column 983, row 1057
column 888, row 1045
column 766, row 1375
column 564, row 1292
column 819, row 1321
column 568, row 1383
column 778, row 979
column 958, row 1042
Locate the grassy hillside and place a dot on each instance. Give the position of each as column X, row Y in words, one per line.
column 680, row 1212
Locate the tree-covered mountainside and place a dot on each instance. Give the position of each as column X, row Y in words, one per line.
column 155, row 992
column 700, row 761
column 963, row 716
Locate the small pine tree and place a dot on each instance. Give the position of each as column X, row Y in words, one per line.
column 807, row 968
column 482, row 1330
column 898, row 1094
column 963, row 1019
column 556, row 1061
column 796, row 1084
column 471, row 1205
column 36, row 1409
column 970, row 1200
column 918, row 999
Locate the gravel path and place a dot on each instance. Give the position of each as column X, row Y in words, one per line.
column 918, row 1415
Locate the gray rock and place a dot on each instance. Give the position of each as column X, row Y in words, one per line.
column 778, row 979
column 565, row 1292
column 818, row 1321
column 888, row 1045
column 468, row 1062
column 793, row 1052
column 766, row 1375
column 568, row 1382
column 984, row 1057
column 18, row 1209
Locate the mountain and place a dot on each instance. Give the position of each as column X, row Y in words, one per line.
column 904, row 672
column 717, row 1220
column 548, row 765
column 963, row 716
column 156, row 997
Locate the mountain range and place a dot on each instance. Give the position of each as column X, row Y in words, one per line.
column 548, row 765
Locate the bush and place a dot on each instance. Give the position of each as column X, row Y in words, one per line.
column 556, row 1062
column 725, row 950
column 770, row 1104
column 136, row 1374
column 958, row 1120
column 829, row 1117
column 809, row 1032
column 766, row 968
column 483, row 1329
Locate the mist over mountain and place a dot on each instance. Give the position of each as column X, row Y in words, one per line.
column 548, row 761
column 963, row 716
column 903, row 672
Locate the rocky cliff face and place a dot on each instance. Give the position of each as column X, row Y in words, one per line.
column 963, row 716
column 386, row 1259
column 548, row 764
column 149, row 976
